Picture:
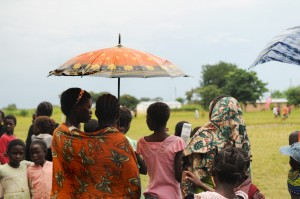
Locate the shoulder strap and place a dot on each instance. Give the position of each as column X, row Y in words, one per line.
column 252, row 190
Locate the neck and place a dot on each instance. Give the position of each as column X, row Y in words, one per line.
column 72, row 122
column 103, row 125
column 226, row 190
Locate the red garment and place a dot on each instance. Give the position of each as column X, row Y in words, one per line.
column 245, row 187
column 4, row 140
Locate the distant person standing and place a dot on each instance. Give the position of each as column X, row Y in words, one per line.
column 10, row 122
column 196, row 114
column 43, row 109
column 285, row 113
column 278, row 111
column 275, row 112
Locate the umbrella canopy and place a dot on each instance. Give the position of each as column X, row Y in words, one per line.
column 118, row 62
column 285, row 47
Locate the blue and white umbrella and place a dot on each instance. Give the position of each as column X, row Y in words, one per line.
column 285, row 48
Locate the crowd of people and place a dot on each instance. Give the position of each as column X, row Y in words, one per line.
column 100, row 161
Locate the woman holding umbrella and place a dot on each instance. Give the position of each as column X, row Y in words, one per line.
column 95, row 165
column 225, row 127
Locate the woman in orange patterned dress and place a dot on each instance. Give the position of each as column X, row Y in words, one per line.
column 100, row 164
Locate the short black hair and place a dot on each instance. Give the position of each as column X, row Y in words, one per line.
column 229, row 166
column 44, row 124
column 44, row 108
column 107, row 109
column 42, row 143
column 15, row 142
column 11, row 117
column 159, row 113
column 178, row 128
column 125, row 117
column 71, row 97
column 90, row 126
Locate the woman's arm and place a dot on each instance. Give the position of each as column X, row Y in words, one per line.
column 178, row 166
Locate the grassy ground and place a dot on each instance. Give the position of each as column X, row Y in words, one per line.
column 269, row 167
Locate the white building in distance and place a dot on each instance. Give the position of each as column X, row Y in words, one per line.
column 141, row 108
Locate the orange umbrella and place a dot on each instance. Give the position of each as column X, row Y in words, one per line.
column 117, row 62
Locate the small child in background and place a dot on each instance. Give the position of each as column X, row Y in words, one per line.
column 123, row 127
column 39, row 174
column 195, row 130
column 178, row 128
column 292, row 150
column 13, row 176
column 162, row 155
column 228, row 167
column 90, row 126
column 10, row 122
column 244, row 184
column 42, row 129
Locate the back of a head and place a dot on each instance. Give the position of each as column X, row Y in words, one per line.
column 229, row 166
column 90, row 126
column 125, row 118
column 15, row 142
column 44, row 108
column 107, row 109
column 42, row 124
column 178, row 128
column 294, row 137
column 159, row 113
column 71, row 97
column 2, row 115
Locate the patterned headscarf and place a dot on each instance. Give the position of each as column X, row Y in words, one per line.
column 226, row 127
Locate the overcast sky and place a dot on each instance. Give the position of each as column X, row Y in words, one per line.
column 37, row 36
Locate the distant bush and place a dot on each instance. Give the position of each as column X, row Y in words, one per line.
column 188, row 107
column 23, row 112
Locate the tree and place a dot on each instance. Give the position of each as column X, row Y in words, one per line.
column 11, row 107
column 129, row 101
column 208, row 93
column 277, row 94
column 180, row 99
column 145, row 99
column 244, row 86
column 215, row 74
column 96, row 95
column 293, row 95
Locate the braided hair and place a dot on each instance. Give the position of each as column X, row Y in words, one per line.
column 107, row 109
column 71, row 97
column 229, row 166
column 44, row 108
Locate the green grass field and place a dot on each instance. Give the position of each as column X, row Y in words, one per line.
column 269, row 167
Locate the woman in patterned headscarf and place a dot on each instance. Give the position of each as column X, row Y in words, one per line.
column 226, row 127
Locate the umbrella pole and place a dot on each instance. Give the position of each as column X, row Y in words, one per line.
column 119, row 88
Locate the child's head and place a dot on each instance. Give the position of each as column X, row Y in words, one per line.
column 290, row 150
column 77, row 103
column 157, row 115
column 44, row 108
column 10, row 122
column 38, row 151
column 91, row 126
column 124, row 120
column 228, row 166
column 42, row 125
column 107, row 110
column 15, row 152
column 178, row 128
column 195, row 130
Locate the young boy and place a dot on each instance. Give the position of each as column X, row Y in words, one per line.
column 292, row 150
column 123, row 126
column 10, row 122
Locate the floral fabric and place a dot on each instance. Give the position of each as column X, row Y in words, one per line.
column 101, row 164
column 225, row 127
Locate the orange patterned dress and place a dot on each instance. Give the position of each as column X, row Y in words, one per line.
column 101, row 164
